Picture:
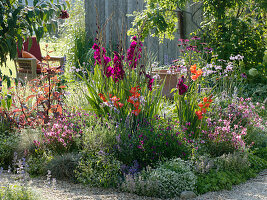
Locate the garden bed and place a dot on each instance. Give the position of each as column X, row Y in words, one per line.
column 253, row 189
column 103, row 128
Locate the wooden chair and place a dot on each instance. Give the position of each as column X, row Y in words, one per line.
column 27, row 67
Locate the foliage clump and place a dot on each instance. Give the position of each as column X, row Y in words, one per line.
column 168, row 180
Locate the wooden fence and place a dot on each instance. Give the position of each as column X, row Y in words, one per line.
column 115, row 12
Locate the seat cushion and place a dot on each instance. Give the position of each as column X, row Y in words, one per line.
column 26, row 54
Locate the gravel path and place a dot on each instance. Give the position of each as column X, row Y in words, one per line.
column 254, row 189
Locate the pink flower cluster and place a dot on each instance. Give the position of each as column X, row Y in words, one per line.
column 134, row 52
column 59, row 136
column 245, row 111
column 229, row 125
column 224, row 131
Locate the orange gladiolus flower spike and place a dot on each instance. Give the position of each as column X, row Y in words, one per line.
column 194, row 77
column 200, row 117
column 193, row 68
column 199, row 114
column 136, row 95
column 203, row 110
column 205, row 99
column 130, row 100
column 199, row 72
column 102, row 97
column 115, row 99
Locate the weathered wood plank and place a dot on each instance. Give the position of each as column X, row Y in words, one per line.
column 116, row 28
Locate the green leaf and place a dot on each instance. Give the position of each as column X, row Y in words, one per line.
column 68, row 3
column 3, row 103
column 9, row 101
column 35, row 2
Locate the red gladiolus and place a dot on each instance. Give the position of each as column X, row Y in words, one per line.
column 203, row 110
column 200, row 105
column 136, row 104
column 207, row 105
column 203, row 107
column 199, row 114
column 136, row 112
column 120, row 104
column 135, row 89
column 102, row 97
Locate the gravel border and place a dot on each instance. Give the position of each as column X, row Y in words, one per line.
column 253, row 189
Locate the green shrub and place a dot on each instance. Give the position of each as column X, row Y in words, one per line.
column 236, row 161
column 257, row 163
column 63, row 166
column 8, row 144
column 37, row 164
column 98, row 169
column 226, row 39
column 15, row 192
column 220, row 180
column 261, row 153
column 155, row 139
column 168, row 180
column 229, row 170
column 5, row 126
column 257, row 137
column 98, row 134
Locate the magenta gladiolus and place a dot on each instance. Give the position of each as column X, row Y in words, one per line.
column 118, row 72
column 181, row 86
column 134, row 52
column 99, row 56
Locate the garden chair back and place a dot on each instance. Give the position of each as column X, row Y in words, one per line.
column 27, row 68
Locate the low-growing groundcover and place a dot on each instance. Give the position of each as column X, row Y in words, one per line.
column 16, row 192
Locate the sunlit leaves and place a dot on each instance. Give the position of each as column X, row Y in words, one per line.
column 18, row 21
